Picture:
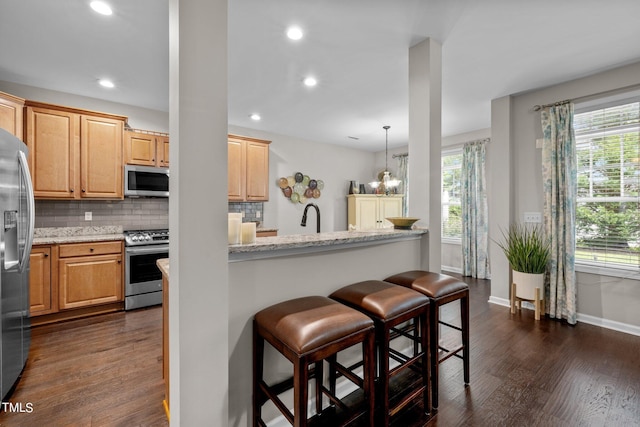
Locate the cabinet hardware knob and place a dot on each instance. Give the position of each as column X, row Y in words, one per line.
column 71, row 190
column 119, row 261
column 153, row 160
column 46, row 255
column 90, row 249
column 84, row 191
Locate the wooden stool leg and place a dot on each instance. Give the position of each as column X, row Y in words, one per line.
column 369, row 375
column 384, row 375
column 319, row 378
column 426, row 359
column 513, row 298
column 464, row 307
column 300, row 392
column 434, row 326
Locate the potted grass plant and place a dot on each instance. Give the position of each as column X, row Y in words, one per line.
column 528, row 251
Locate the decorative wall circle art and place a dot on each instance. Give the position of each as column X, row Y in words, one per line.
column 300, row 187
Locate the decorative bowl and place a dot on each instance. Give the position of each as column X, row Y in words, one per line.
column 402, row 222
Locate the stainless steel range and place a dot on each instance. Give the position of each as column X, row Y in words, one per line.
column 143, row 280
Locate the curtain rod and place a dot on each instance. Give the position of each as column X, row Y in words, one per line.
column 400, row 155
column 555, row 104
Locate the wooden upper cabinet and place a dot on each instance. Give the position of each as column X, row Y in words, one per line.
column 248, row 169
column 101, row 157
column 11, row 114
column 74, row 154
column 146, row 149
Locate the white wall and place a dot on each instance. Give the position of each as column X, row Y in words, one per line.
column 606, row 300
column 333, row 164
column 139, row 118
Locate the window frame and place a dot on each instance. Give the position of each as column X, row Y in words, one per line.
column 589, row 266
column 444, row 153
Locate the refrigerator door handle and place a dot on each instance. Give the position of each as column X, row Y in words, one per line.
column 24, row 169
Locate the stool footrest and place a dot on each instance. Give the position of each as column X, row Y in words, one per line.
column 449, row 353
column 276, row 401
column 457, row 328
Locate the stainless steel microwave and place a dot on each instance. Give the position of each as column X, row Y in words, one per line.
column 146, row 181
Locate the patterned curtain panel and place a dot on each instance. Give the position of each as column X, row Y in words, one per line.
column 475, row 213
column 559, row 176
column 403, row 176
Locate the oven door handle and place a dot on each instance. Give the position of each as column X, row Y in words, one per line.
column 148, row 249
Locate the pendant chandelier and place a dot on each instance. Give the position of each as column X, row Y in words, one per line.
column 385, row 183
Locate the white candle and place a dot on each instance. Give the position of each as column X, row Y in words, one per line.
column 235, row 223
column 248, row 232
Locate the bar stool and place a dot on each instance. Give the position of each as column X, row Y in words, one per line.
column 306, row 331
column 441, row 289
column 390, row 306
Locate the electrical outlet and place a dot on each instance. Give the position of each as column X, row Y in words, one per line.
column 533, row 217
column 257, row 214
column 88, row 216
column 242, row 214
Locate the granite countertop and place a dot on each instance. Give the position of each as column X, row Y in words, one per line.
column 56, row 235
column 324, row 239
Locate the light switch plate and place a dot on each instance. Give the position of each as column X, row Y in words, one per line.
column 88, row 216
column 257, row 214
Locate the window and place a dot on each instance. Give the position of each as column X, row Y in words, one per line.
column 607, row 210
column 451, row 192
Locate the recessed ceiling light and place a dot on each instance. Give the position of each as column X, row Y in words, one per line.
column 294, row 33
column 101, row 7
column 106, row 83
column 255, row 117
column 310, row 81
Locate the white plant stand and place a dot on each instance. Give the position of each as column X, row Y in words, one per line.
column 527, row 287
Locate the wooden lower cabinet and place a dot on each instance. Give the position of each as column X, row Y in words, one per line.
column 41, row 280
column 76, row 280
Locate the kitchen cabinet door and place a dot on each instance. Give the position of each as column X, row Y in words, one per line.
column 367, row 212
column 11, row 114
column 90, row 280
column 40, row 281
column 53, row 138
column 236, row 170
column 146, row 149
column 101, row 157
column 248, row 169
column 257, row 181
column 140, row 148
column 162, row 147
column 388, row 207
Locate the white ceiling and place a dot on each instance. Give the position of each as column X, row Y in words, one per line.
column 357, row 49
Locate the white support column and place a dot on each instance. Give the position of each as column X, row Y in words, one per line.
column 198, row 308
column 425, row 140
column 500, row 192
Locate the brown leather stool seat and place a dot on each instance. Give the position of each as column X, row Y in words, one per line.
column 441, row 289
column 307, row 331
column 390, row 306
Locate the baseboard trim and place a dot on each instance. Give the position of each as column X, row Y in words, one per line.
column 584, row 318
column 451, row 269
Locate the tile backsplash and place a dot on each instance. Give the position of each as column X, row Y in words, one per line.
column 253, row 211
column 131, row 213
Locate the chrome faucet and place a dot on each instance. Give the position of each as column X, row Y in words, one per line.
column 304, row 216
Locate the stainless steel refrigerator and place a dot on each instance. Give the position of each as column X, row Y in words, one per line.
column 16, row 237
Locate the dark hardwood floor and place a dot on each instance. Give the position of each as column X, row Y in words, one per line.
column 107, row 371
column 101, row 371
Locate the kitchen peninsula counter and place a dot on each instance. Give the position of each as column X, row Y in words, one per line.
column 268, row 247
column 275, row 269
